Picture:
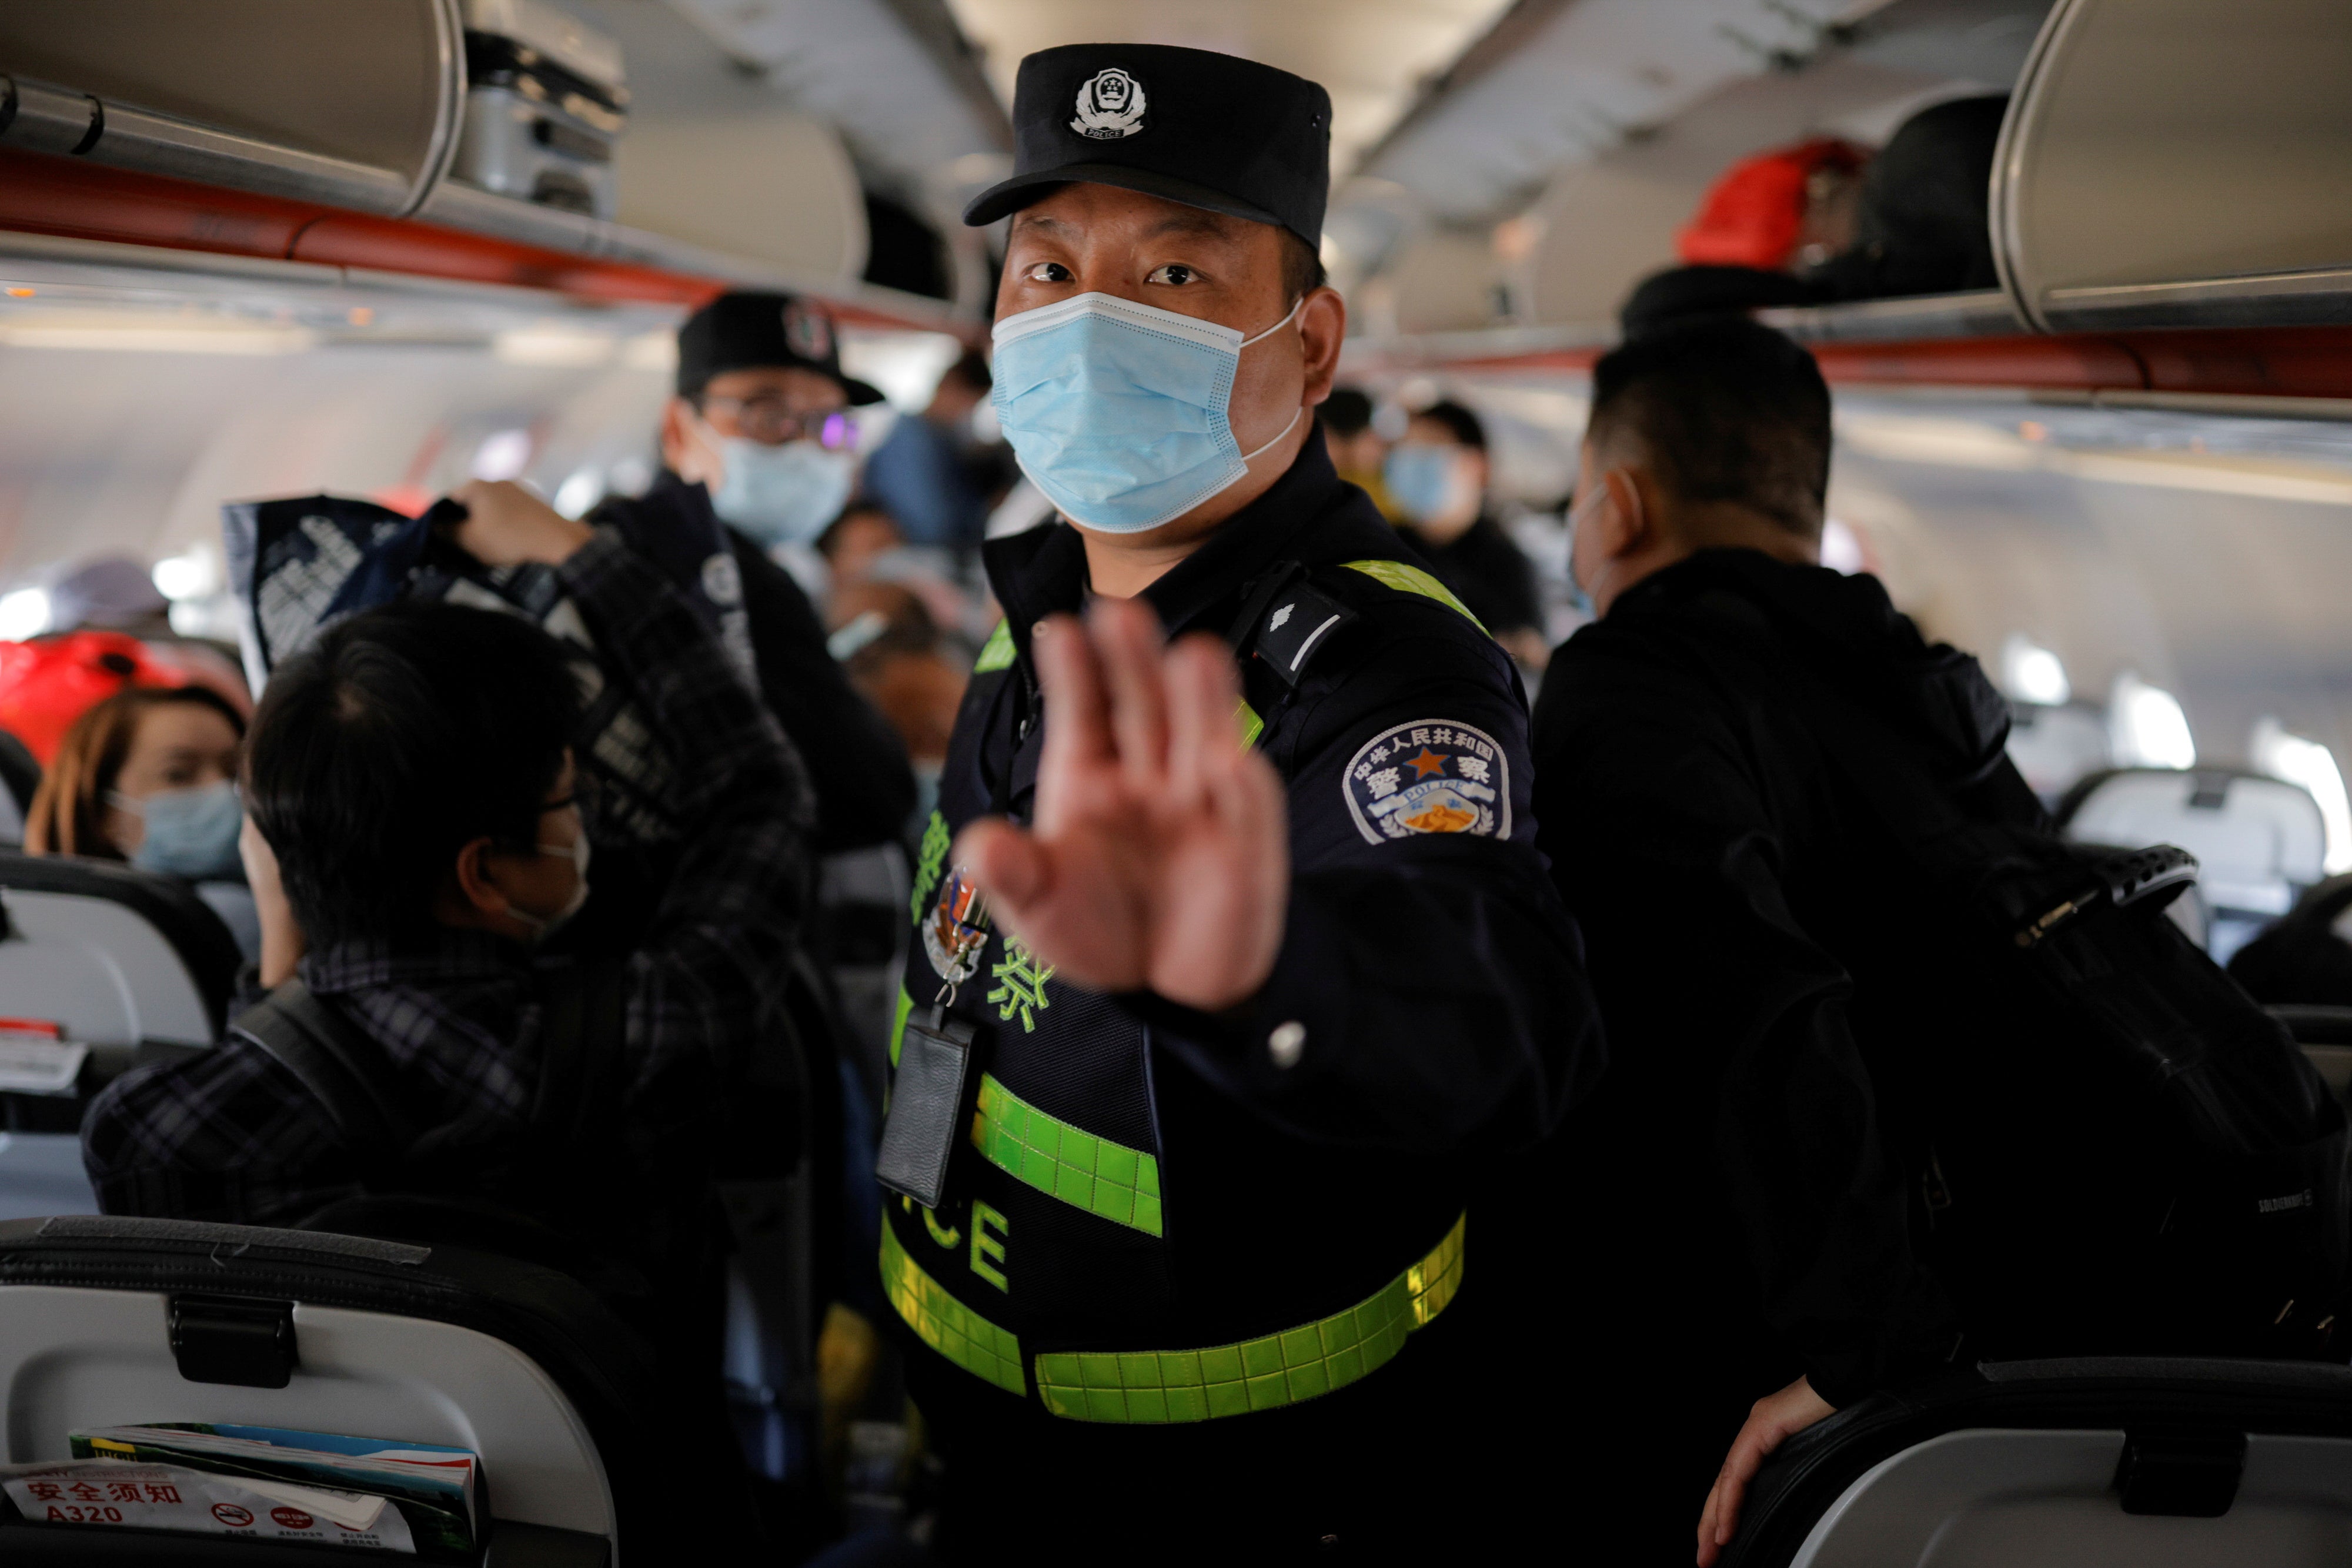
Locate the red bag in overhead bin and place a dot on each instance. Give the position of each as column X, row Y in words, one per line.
column 1754, row 213
column 47, row 683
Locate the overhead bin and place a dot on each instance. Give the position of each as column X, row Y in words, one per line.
column 298, row 131
column 2180, row 163
column 355, row 104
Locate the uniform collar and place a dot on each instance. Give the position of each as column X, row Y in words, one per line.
column 1043, row 571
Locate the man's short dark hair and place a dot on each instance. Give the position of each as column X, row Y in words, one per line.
column 398, row 737
column 1466, row 428
column 1722, row 411
column 1302, row 268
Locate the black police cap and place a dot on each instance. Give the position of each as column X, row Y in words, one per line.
column 1207, row 130
column 762, row 331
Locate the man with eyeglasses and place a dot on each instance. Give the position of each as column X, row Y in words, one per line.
column 759, row 436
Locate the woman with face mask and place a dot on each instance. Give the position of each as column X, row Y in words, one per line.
column 149, row 776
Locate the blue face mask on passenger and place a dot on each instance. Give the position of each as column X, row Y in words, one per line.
column 1422, row 479
column 190, row 833
column 1120, row 411
column 785, row 495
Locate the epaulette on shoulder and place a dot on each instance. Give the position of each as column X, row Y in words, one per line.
column 1299, row 614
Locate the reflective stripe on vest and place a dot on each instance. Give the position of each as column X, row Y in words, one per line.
column 1161, row 1386
column 946, row 1325
column 997, row 652
column 1413, row 579
column 1156, row 1387
column 1120, row 1184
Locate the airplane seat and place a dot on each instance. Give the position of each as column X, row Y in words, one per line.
column 2258, row 840
column 108, row 1320
column 134, row 965
column 2325, row 1033
column 2154, row 1463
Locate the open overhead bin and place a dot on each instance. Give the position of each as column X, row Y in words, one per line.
column 350, row 134
column 2180, row 163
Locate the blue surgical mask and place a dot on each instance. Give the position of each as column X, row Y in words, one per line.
column 191, row 833
column 1421, row 479
column 1120, row 411
column 785, row 495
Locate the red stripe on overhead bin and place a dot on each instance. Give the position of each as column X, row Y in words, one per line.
column 44, row 194
column 2300, row 361
column 402, row 244
column 2083, row 363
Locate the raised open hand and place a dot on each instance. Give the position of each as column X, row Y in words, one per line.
column 1160, row 857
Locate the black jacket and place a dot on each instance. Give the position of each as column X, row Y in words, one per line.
column 865, row 788
column 1491, row 573
column 1438, row 982
column 1749, row 923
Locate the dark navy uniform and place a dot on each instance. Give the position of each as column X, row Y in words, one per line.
column 1179, row 1238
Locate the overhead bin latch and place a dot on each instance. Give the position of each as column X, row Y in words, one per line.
column 243, row 1340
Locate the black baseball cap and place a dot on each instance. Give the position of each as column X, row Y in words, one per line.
column 758, row 332
column 1193, row 126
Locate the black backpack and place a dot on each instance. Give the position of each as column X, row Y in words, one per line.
column 2112, row 1149
column 2117, row 1148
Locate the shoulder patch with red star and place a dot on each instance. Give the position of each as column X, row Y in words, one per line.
column 1431, row 776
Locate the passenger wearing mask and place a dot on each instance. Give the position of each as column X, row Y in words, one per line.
column 758, row 434
column 420, row 825
column 149, row 776
column 1357, row 448
column 1438, row 476
column 1755, row 936
column 931, row 471
column 1227, row 982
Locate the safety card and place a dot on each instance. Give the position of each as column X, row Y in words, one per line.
column 111, row 1492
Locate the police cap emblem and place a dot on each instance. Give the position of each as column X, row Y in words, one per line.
column 1110, row 105
column 1431, row 776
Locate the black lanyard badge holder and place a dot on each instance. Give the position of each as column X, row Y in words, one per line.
column 927, row 1097
column 926, row 1107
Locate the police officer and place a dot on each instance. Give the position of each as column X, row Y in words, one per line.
column 756, row 435
column 1226, row 979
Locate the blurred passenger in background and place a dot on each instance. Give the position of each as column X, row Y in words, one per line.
column 758, row 434
column 896, row 654
column 864, row 533
column 148, row 776
column 937, row 478
column 1357, row 448
column 1438, row 476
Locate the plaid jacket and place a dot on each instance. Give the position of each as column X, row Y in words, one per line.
column 232, row 1136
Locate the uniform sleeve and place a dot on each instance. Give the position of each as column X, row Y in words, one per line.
column 1727, row 1022
column 865, row 788
column 1430, row 994
column 709, row 970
